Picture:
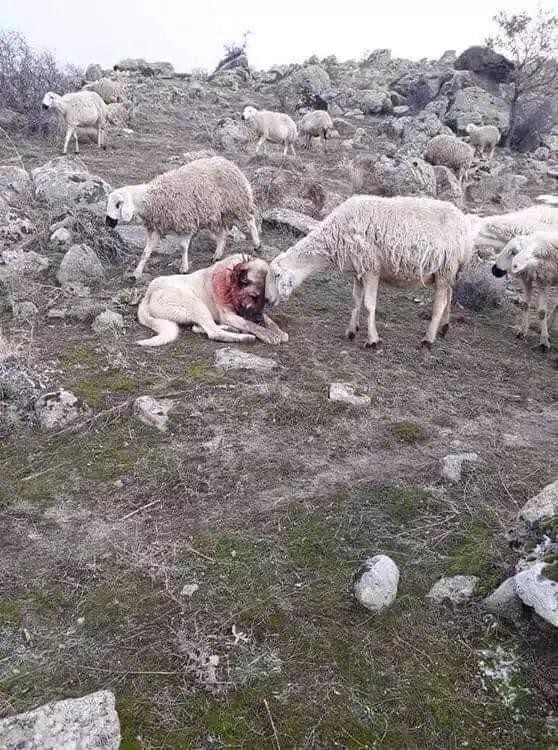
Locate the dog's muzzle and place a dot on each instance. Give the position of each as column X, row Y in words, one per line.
column 498, row 271
column 110, row 222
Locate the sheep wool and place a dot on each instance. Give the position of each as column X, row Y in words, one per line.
column 483, row 138
column 497, row 231
column 449, row 151
column 110, row 91
column 317, row 123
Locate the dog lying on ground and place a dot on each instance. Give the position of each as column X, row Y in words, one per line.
column 225, row 301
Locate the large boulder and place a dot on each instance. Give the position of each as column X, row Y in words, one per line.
column 67, row 180
column 229, row 133
column 413, row 133
column 393, row 175
column 88, row 723
column 486, row 62
column 539, row 592
column 308, row 84
column 447, row 186
column 419, row 88
column 477, row 106
column 59, row 409
column 374, row 101
column 80, row 265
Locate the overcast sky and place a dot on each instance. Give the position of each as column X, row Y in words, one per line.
column 191, row 33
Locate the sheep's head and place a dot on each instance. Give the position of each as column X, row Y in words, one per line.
column 249, row 114
column 281, row 283
column 470, row 128
column 48, row 100
column 524, row 260
column 119, row 207
column 503, row 261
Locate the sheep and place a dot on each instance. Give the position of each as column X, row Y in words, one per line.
column 403, row 240
column 497, row 231
column 80, row 109
column 534, row 260
column 276, row 127
column 483, row 138
column 316, row 124
column 451, row 152
column 209, row 193
column 110, row 91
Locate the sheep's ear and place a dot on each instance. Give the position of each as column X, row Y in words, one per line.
column 127, row 209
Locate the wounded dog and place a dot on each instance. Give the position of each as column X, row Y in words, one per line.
column 225, row 301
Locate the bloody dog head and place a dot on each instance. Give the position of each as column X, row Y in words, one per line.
column 242, row 288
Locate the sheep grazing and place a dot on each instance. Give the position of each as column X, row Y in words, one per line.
column 275, row 127
column 110, row 91
column 400, row 240
column 316, row 124
column 449, row 151
column 484, row 139
column 534, row 260
column 82, row 109
column 205, row 194
column 497, row 231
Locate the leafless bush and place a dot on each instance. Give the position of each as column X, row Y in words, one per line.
column 25, row 76
column 478, row 290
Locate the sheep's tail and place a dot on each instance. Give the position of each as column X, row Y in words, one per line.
column 551, row 200
column 167, row 330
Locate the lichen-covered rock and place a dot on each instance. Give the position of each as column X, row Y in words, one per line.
column 374, row 102
column 375, row 584
column 67, row 180
column 80, row 264
column 542, row 506
column 447, row 186
column 487, row 62
column 108, row 322
column 59, row 409
column 88, row 723
column 456, row 589
column 153, row 412
column 15, row 227
column 477, row 106
column 15, row 183
column 452, row 465
column 504, row 601
column 299, row 223
column 17, row 261
column 229, row 133
column 393, row 175
column 229, row 358
column 539, row 592
column 61, row 236
column 344, row 393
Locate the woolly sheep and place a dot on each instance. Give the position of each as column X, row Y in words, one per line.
column 275, row 127
column 316, row 124
column 110, row 91
column 402, row 240
column 497, row 231
column 534, row 260
column 484, row 139
column 80, row 109
column 449, row 151
column 205, row 194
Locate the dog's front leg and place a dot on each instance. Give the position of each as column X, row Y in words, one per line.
column 272, row 326
column 268, row 336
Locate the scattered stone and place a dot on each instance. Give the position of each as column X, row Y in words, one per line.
column 297, row 222
column 15, row 183
column 458, row 589
column 542, row 506
column 67, row 180
column 537, row 591
column 61, row 236
column 153, row 412
column 189, row 590
column 452, row 465
column 87, row 723
column 26, row 310
column 504, row 601
column 229, row 358
column 344, row 393
column 375, row 584
column 108, row 322
column 59, row 409
column 80, row 264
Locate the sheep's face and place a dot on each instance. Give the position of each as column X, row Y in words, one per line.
column 249, row 114
column 503, row 261
column 524, row 260
column 470, row 128
column 119, row 208
column 281, row 284
column 48, row 100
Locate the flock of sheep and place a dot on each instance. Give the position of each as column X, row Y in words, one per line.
column 401, row 240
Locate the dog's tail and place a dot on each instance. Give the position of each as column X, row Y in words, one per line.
column 167, row 330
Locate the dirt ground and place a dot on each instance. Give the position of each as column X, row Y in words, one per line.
column 269, row 497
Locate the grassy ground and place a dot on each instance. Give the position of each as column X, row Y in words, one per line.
column 269, row 497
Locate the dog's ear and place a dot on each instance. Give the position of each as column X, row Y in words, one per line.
column 240, row 275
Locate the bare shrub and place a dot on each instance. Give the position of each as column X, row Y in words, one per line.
column 478, row 290
column 27, row 74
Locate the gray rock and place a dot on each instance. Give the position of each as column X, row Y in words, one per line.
column 61, row 236
column 375, row 584
column 229, row 134
column 299, row 223
column 18, row 262
column 542, row 153
column 379, row 58
column 477, row 106
column 504, row 601
column 59, row 409
column 401, row 109
column 15, row 182
column 87, row 723
column 458, row 589
column 393, row 175
column 25, row 310
column 452, row 465
column 307, row 81
column 486, row 62
column 80, row 264
column 15, row 227
column 541, row 507
column 153, row 412
column 229, row 358
column 538, row 592
column 67, row 180
column 108, row 322
column 93, row 72
column 447, row 186
column 119, row 114
column 344, row 393
column 374, row 102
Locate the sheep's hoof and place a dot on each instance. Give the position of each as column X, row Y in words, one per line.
column 544, row 348
column 443, row 330
column 425, row 344
column 520, row 335
column 374, row 345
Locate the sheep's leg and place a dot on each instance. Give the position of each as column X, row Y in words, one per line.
column 354, row 323
column 152, row 242
column 221, row 244
column 325, row 141
column 444, row 328
column 285, row 148
column 542, row 312
column 185, row 245
column 293, row 149
column 76, row 140
column 261, row 143
column 370, row 286
column 526, row 304
column 254, row 234
column 67, row 139
column 441, row 299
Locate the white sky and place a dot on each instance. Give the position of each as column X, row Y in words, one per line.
column 191, row 33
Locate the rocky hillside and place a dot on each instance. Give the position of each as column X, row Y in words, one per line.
column 202, row 532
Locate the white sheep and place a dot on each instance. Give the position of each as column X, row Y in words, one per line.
column 496, row 231
column 207, row 193
column 449, row 151
column 484, row 139
column 110, row 91
column 275, row 127
column 533, row 258
column 83, row 109
column 316, row 124
column 402, row 240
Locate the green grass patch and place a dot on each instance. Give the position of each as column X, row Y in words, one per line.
column 96, row 389
column 408, row 432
